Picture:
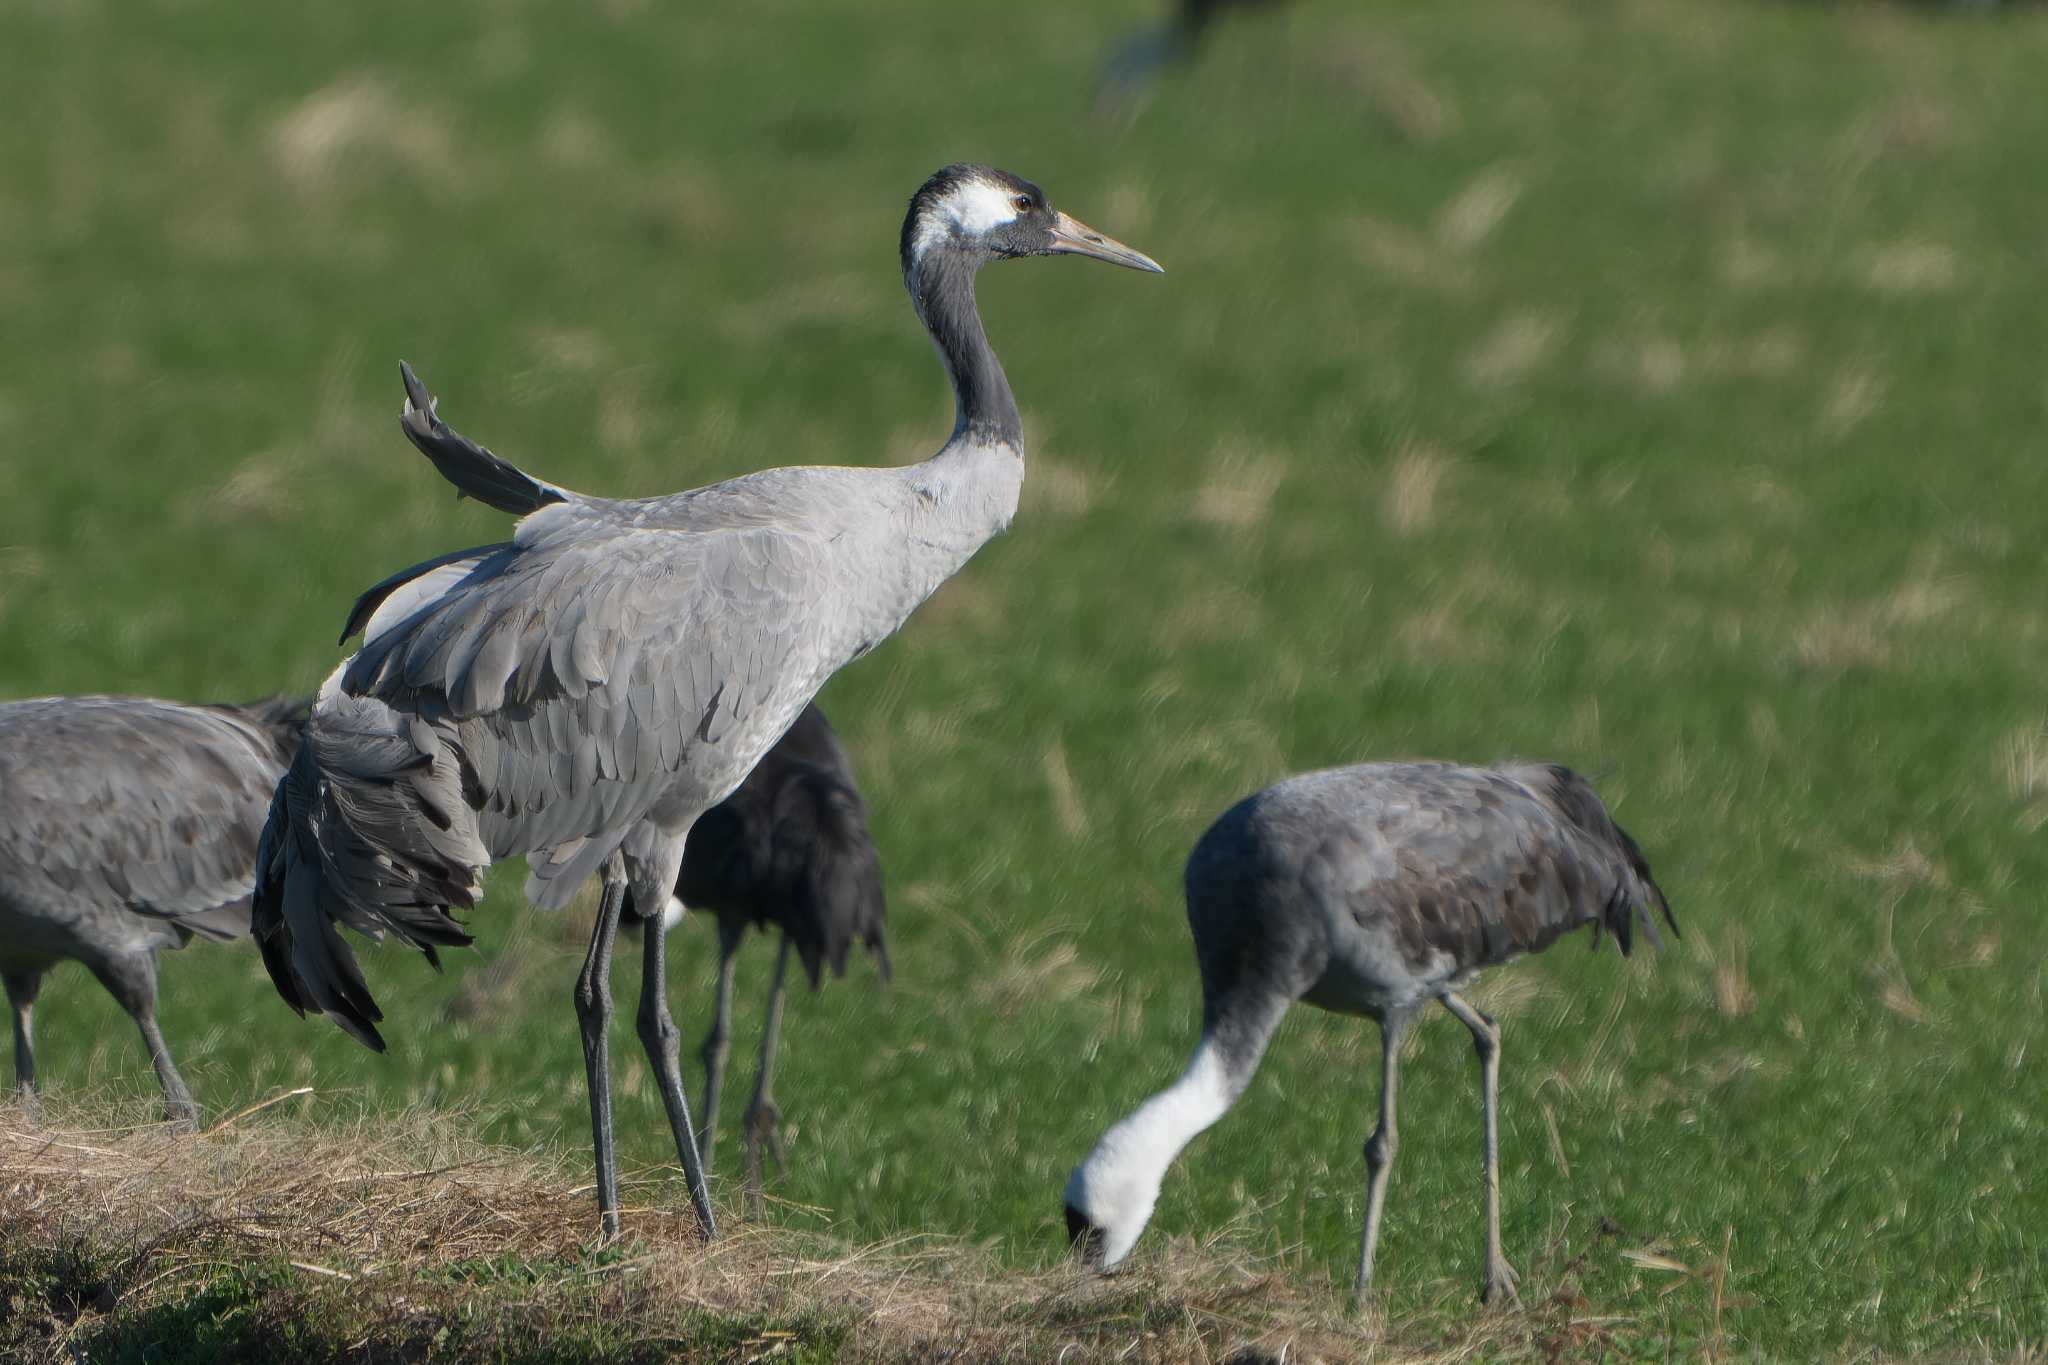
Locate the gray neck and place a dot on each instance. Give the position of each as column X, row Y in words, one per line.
column 941, row 284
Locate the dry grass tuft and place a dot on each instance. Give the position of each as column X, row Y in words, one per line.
column 1480, row 206
column 360, row 117
column 1852, row 398
column 2023, row 762
column 1519, row 345
column 1388, row 80
column 1033, row 971
column 1733, row 995
column 1905, row 867
column 1238, row 493
column 1409, row 257
column 1068, row 804
column 1911, row 267
column 1409, row 505
column 391, row 1233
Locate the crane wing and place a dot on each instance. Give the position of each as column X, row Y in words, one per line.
column 147, row 805
column 1475, row 866
column 592, row 665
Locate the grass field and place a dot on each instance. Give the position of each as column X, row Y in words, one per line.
column 1657, row 387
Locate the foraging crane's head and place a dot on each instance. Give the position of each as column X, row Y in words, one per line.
column 1109, row 1202
column 976, row 214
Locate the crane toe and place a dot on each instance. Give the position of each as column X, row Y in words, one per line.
column 1499, row 1289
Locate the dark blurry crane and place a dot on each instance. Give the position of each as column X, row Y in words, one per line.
column 581, row 693
column 1142, row 56
column 1370, row 890
column 128, row 825
column 788, row 851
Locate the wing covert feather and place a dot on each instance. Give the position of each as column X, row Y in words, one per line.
column 583, row 670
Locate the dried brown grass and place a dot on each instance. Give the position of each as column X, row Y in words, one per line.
column 389, row 1217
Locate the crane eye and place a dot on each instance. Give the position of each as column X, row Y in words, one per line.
column 1023, row 202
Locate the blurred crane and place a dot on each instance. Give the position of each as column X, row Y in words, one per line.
column 128, row 825
column 788, row 851
column 1370, row 890
column 1142, row 56
column 582, row 693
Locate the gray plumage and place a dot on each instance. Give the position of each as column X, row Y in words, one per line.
column 128, row 825
column 1370, row 890
column 788, row 851
column 581, row 693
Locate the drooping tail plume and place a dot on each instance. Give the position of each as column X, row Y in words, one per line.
column 369, row 828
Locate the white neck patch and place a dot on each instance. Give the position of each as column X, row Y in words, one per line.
column 972, row 209
column 1118, row 1184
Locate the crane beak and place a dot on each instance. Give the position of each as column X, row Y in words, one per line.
column 1083, row 1237
column 1071, row 236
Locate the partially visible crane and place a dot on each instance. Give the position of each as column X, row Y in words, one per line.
column 789, row 851
column 1141, row 57
column 128, row 825
column 581, row 693
column 1370, row 890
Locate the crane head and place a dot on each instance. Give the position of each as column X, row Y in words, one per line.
column 1109, row 1201
column 981, row 214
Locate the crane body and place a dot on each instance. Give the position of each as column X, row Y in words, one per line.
column 582, row 693
column 1372, row 891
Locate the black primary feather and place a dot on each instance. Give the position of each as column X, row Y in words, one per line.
column 474, row 470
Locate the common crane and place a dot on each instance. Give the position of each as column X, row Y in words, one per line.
column 789, row 851
column 1369, row 890
column 128, row 825
column 1142, row 55
column 581, row 693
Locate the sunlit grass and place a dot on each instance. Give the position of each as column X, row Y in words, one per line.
column 1653, row 386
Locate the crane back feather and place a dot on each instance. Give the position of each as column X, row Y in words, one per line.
column 128, row 805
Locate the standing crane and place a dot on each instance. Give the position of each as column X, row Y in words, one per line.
column 128, row 825
column 790, row 851
column 581, row 693
column 1369, row 890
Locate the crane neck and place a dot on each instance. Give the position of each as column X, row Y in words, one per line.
column 941, row 285
column 1117, row 1185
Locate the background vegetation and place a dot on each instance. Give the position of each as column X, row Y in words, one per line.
column 1653, row 385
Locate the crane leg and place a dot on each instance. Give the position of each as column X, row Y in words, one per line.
column 763, row 1118
column 713, row 1052
column 594, row 1016
column 131, row 980
column 1498, row 1288
column 22, row 987
column 1380, row 1147
column 659, row 1035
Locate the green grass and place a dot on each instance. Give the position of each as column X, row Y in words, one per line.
column 1656, row 387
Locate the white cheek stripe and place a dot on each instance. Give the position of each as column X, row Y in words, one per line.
column 971, row 210
column 979, row 207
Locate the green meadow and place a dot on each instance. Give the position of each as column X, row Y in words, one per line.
column 1655, row 386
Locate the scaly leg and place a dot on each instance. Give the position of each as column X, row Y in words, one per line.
column 1498, row 1288
column 594, row 1016
column 1380, row 1147
column 179, row 1107
column 131, row 980
column 713, row 1052
column 762, row 1116
column 21, row 993
column 659, row 1035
